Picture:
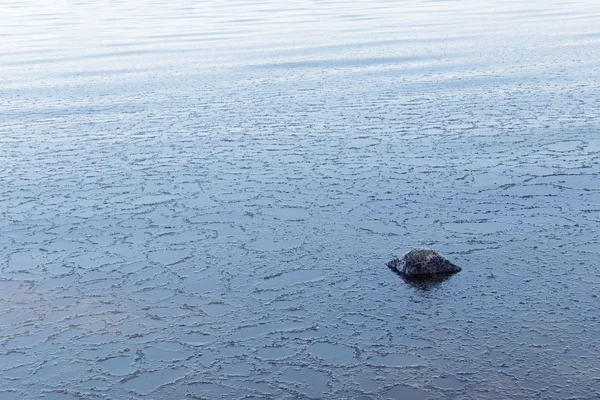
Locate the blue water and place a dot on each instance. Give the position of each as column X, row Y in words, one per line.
column 197, row 200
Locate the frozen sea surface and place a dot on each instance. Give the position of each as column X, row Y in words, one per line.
column 197, row 199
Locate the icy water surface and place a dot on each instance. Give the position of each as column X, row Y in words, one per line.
column 198, row 199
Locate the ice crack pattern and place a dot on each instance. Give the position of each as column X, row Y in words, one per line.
column 197, row 201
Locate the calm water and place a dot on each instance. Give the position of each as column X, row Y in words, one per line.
column 197, row 199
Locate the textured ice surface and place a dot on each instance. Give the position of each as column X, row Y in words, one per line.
column 197, row 200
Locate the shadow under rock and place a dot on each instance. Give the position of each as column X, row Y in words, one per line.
column 424, row 282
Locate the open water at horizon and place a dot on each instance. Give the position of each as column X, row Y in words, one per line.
column 197, row 199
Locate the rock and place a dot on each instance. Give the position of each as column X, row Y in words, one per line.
column 421, row 263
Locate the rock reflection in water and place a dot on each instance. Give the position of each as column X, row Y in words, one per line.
column 428, row 282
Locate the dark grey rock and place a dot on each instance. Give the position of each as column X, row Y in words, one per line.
column 423, row 262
